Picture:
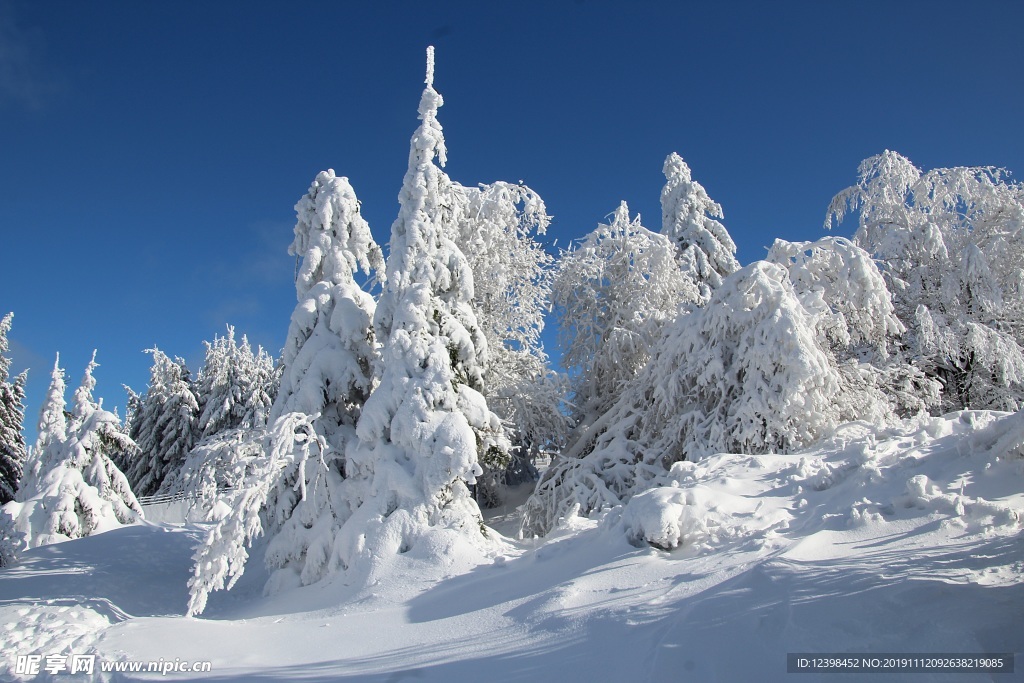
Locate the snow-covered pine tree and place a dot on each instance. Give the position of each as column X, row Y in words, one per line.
column 236, row 386
column 74, row 489
column 235, row 389
column 328, row 370
column 951, row 243
column 12, row 418
column 280, row 485
column 426, row 425
column 51, row 430
column 163, row 425
column 512, row 285
column 690, row 219
column 613, row 293
column 133, row 407
column 329, row 353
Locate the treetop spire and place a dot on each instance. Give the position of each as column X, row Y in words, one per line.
column 430, row 67
column 428, row 142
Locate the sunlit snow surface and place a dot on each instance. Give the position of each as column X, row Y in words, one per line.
column 876, row 541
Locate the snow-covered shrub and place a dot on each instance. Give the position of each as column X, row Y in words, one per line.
column 666, row 518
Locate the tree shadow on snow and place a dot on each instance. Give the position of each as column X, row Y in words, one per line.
column 924, row 600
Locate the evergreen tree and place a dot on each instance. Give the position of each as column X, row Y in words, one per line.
column 133, row 409
column 328, row 368
column 51, row 430
column 422, row 431
column 329, row 353
column 235, row 393
column 236, row 386
column 689, row 217
column 12, row 417
column 426, row 426
column 74, row 489
column 163, row 425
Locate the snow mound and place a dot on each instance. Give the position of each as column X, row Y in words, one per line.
column 706, row 512
column 964, row 470
column 667, row 518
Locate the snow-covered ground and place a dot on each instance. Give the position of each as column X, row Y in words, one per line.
column 900, row 541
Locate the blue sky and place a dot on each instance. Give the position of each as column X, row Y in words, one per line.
column 151, row 153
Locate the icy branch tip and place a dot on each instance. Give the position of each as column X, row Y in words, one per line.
column 430, row 66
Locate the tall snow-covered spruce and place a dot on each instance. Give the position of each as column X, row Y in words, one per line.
column 287, row 475
column 426, row 425
column 328, row 372
column 329, row 353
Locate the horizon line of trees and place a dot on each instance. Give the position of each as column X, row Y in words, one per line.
column 391, row 417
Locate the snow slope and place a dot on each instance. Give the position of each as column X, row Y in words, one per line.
column 906, row 540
